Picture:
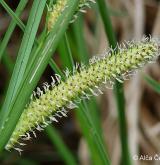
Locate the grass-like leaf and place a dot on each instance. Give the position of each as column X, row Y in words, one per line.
column 14, row 15
column 152, row 83
column 12, row 25
column 23, row 55
column 35, row 69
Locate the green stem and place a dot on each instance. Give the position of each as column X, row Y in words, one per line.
column 56, row 69
column 118, row 89
column 58, row 143
column 95, row 135
column 80, row 41
column 103, row 9
column 84, row 110
column 64, row 51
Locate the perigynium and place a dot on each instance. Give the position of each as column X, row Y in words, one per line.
column 48, row 104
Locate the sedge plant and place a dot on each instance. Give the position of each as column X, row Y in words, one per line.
column 20, row 117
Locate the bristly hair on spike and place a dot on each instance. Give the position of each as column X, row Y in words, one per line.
column 83, row 4
column 49, row 105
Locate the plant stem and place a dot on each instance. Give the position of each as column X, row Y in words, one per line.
column 62, row 149
column 118, row 89
column 86, row 114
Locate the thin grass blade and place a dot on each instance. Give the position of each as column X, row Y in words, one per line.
column 12, row 26
column 152, row 83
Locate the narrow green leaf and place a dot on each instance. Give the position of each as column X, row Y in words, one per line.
column 12, row 26
column 23, row 54
column 152, row 83
column 79, row 37
column 35, row 70
column 54, row 66
column 65, row 51
column 14, row 15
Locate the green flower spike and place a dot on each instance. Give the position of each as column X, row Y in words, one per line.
column 45, row 106
column 59, row 7
column 55, row 12
column 83, row 4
